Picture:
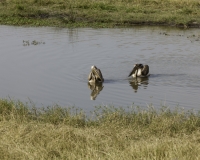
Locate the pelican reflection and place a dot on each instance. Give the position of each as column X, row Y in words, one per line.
column 136, row 82
column 95, row 88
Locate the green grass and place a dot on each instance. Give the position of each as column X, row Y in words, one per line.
column 100, row 13
column 107, row 133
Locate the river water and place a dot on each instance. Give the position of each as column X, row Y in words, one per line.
column 50, row 66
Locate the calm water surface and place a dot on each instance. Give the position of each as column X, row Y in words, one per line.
column 55, row 70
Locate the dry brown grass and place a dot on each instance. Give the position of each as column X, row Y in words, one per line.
column 59, row 133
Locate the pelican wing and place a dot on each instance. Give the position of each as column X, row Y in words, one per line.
column 90, row 76
column 98, row 74
column 145, row 70
column 133, row 71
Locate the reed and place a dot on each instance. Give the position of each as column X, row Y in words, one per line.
column 100, row 13
column 57, row 132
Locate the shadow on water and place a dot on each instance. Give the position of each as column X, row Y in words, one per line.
column 166, row 75
column 113, row 80
column 95, row 88
column 135, row 83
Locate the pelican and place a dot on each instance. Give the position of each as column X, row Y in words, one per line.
column 95, row 75
column 140, row 70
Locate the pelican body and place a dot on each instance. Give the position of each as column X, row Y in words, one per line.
column 139, row 70
column 95, row 75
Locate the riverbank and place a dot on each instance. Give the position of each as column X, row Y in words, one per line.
column 98, row 13
column 66, row 133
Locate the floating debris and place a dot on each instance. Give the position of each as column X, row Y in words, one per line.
column 36, row 42
column 167, row 34
column 26, row 43
column 194, row 38
column 164, row 33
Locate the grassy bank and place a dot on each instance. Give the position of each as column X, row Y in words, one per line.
column 58, row 133
column 100, row 13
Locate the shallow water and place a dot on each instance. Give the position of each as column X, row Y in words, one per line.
column 56, row 69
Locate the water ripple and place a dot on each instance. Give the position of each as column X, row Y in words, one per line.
column 56, row 71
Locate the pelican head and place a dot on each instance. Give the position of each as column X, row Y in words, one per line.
column 95, row 75
column 92, row 67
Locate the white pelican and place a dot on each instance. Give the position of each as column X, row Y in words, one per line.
column 140, row 70
column 95, row 75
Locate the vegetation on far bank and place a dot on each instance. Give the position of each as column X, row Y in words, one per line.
column 100, row 13
column 111, row 133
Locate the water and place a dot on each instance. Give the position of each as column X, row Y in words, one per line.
column 55, row 70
